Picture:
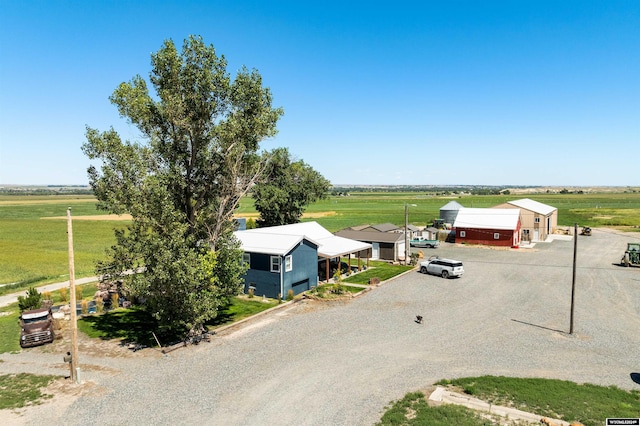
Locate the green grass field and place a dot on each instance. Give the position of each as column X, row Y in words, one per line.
column 585, row 403
column 34, row 247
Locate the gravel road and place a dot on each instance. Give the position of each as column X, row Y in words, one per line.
column 342, row 363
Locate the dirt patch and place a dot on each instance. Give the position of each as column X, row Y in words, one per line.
column 313, row 215
column 93, row 217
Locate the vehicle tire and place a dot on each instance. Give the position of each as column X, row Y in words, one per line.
column 626, row 259
column 423, row 269
column 445, row 274
column 429, row 246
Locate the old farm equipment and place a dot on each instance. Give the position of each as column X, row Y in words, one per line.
column 632, row 255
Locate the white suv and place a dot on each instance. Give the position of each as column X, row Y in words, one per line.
column 444, row 267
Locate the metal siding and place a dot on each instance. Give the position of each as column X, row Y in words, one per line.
column 305, row 267
column 266, row 283
column 485, row 236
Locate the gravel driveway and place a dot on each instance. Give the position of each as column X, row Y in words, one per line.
column 342, row 363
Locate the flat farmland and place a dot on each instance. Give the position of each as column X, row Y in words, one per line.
column 33, row 229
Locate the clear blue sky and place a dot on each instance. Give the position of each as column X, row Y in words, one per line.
column 429, row 92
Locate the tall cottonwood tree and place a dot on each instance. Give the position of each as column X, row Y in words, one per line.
column 198, row 155
column 286, row 189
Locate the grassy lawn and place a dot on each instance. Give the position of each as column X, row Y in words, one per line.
column 382, row 270
column 135, row 325
column 587, row 404
column 20, row 390
column 10, row 329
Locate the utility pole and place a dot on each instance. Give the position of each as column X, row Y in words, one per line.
column 406, row 234
column 573, row 281
column 72, row 289
column 407, row 247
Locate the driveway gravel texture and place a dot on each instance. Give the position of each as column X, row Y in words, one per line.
column 342, row 363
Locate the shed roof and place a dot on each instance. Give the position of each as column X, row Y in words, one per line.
column 534, row 206
column 329, row 245
column 487, row 218
column 385, row 227
column 373, row 236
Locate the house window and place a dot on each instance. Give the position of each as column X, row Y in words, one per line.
column 246, row 259
column 463, row 234
column 288, row 263
column 275, row 263
column 496, row 235
column 536, row 220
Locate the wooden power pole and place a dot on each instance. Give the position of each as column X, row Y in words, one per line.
column 72, row 290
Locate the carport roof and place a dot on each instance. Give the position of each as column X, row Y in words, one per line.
column 329, row 245
column 487, row 218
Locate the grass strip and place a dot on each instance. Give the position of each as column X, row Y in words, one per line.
column 20, row 390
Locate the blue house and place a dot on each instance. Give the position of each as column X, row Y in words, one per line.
column 288, row 257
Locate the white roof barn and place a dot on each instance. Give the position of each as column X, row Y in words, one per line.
column 480, row 218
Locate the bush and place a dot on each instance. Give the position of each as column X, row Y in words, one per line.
column 64, row 296
column 114, row 300
column 78, row 293
column 85, row 307
column 251, row 292
column 99, row 305
column 374, row 280
column 290, row 294
column 33, row 300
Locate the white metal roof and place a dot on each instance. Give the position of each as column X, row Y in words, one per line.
column 329, row 245
column 534, row 206
column 256, row 242
column 487, row 218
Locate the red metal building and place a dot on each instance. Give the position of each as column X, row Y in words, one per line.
column 493, row 227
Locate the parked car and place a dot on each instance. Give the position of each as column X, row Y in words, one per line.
column 446, row 268
column 424, row 243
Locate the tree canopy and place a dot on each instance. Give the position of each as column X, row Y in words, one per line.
column 196, row 157
column 286, row 189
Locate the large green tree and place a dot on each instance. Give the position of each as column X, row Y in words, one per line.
column 286, row 189
column 181, row 181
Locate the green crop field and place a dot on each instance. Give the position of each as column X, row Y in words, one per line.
column 33, row 229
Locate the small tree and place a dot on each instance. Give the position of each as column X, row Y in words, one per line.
column 33, row 300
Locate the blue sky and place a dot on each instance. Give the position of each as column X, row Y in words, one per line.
column 432, row 92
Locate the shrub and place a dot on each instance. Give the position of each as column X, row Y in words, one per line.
column 251, row 292
column 374, row 280
column 338, row 289
column 290, row 294
column 85, row 307
column 33, row 300
column 114, row 300
column 46, row 295
column 99, row 305
column 64, row 296
column 78, row 293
